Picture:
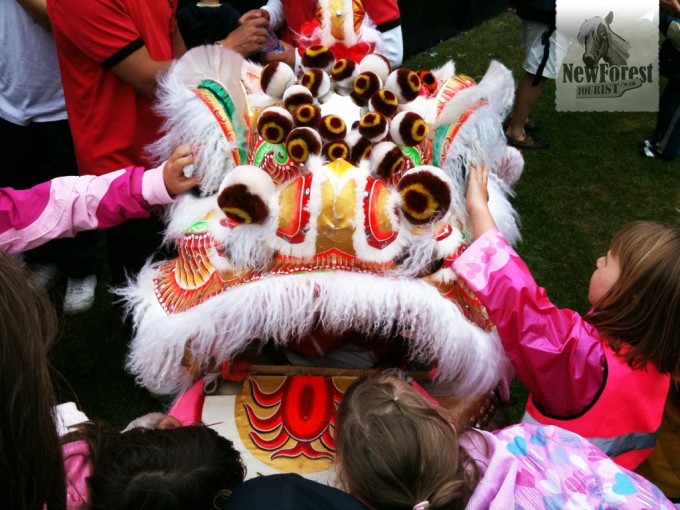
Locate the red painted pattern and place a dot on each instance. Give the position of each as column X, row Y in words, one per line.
column 305, row 412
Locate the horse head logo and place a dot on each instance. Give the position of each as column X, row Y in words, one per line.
column 601, row 42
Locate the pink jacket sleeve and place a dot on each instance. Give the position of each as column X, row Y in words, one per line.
column 556, row 354
column 66, row 205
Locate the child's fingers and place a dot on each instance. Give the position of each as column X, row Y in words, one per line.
column 182, row 151
column 184, row 161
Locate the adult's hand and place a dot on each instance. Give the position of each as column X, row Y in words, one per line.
column 248, row 38
column 286, row 56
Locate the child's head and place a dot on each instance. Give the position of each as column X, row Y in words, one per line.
column 31, row 468
column 185, row 467
column 395, row 449
column 642, row 306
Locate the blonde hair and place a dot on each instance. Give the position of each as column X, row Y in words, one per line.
column 640, row 314
column 395, row 449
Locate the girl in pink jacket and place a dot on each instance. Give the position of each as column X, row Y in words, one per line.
column 606, row 375
column 66, row 205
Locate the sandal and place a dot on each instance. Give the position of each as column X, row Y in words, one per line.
column 532, row 126
column 527, row 143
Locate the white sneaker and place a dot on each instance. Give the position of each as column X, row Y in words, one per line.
column 43, row 276
column 79, row 295
column 673, row 34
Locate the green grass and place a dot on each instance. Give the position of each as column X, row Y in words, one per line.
column 571, row 199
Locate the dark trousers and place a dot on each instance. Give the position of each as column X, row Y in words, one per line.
column 37, row 153
column 666, row 136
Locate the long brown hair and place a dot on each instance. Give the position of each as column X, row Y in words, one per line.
column 640, row 314
column 395, row 449
column 31, row 467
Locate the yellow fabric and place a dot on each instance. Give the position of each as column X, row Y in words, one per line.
column 662, row 467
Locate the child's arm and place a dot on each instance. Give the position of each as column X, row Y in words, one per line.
column 66, row 205
column 556, row 354
column 477, row 198
column 385, row 14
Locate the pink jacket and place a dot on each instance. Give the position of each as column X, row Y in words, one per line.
column 562, row 359
column 549, row 347
column 66, row 205
column 525, row 467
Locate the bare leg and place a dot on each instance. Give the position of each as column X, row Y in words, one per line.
column 525, row 99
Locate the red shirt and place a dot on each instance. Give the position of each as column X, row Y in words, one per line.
column 111, row 123
column 297, row 12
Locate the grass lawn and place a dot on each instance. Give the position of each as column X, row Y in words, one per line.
column 571, row 199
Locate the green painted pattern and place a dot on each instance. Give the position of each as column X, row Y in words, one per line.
column 198, row 228
column 277, row 149
column 225, row 100
column 412, row 154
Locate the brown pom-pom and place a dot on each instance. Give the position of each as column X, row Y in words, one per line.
column 365, row 85
column 405, row 84
column 428, row 80
column 425, row 196
column 361, row 149
column 317, row 81
column 301, row 143
column 336, row 150
column 332, row 127
column 274, row 124
column 295, row 96
column 385, row 102
column 408, row 128
column 318, row 56
column 307, row 115
column 276, row 77
column 387, row 160
column 344, row 73
column 373, row 126
column 242, row 206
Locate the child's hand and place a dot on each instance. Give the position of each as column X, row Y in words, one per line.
column 173, row 172
column 478, row 200
column 254, row 14
column 477, row 194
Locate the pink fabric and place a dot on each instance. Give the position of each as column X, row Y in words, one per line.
column 66, row 205
column 188, row 408
column 76, row 457
column 529, row 467
column 624, row 419
column 549, row 347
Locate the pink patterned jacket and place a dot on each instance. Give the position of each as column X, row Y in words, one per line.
column 526, row 467
column 66, row 205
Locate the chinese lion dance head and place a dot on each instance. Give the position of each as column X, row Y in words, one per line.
column 330, row 209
